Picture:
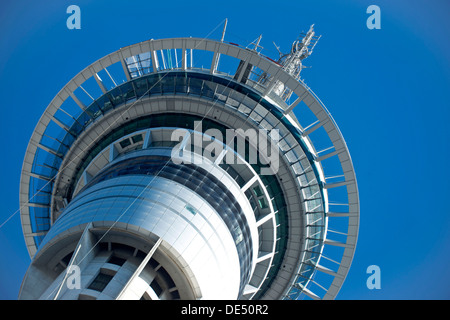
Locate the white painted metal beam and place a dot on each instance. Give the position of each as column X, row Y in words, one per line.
column 249, row 183
column 100, row 83
column 141, row 267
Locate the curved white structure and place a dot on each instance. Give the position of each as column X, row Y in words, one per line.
column 132, row 176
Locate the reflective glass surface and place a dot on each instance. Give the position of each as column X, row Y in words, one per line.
column 201, row 182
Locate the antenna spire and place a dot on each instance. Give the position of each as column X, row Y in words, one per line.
column 292, row 62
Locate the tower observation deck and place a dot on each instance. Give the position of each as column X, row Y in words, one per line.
column 177, row 169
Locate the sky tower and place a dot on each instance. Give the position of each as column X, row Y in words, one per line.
column 177, row 169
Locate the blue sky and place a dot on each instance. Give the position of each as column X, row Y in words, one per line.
column 387, row 89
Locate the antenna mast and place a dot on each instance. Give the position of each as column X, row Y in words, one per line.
column 292, row 62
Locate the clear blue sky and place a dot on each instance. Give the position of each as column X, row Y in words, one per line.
column 387, row 89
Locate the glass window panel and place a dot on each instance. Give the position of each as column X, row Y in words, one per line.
column 100, row 282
